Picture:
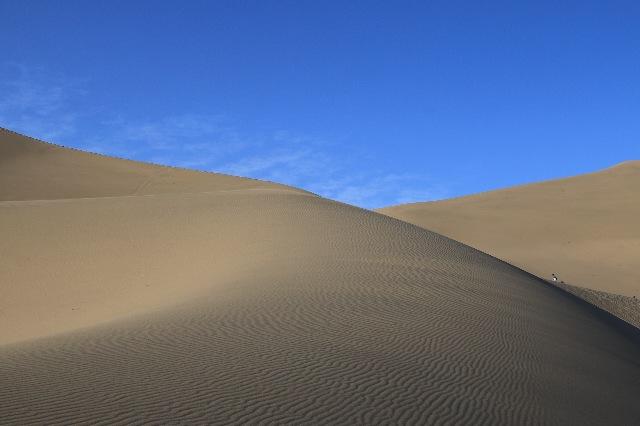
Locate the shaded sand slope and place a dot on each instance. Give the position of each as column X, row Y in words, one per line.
column 585, row 228
column 624, row 307
column 274, row 306
column 34, row 170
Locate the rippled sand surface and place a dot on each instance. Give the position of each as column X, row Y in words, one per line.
column 261, row 304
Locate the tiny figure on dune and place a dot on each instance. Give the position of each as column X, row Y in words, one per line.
column 554, row 277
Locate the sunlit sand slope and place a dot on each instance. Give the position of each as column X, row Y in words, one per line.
column 34, row 170
column 585, row 229
column 265, row 305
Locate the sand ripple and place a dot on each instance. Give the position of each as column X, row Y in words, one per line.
column 351, row 318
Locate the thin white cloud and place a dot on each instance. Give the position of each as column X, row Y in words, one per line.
column 374, row 190
column 35, row 105
column 264, row 164
column 176, row 131
column 186, row 140
column 47, row 109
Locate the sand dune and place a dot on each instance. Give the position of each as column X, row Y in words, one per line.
column 34, row 170
column 585, row 229
column 231, row 301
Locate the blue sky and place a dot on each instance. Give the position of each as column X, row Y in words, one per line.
column 372, row 103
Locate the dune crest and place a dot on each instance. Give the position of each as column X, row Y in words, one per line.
column 584, row 228
column 236, row 301
column 34, row 170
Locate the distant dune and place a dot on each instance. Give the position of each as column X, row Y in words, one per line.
column 132, row 293
column 585, row 229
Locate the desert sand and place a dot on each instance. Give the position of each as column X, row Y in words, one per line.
column 584, row 229
column 132, row 293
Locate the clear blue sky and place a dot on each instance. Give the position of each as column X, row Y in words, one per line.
column 371, row 102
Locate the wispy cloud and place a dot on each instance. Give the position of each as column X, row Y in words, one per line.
column 185, row 140
column 375, row 190
column 36, row 105
column 48, row 109
column 334, row 177
column 180, row 130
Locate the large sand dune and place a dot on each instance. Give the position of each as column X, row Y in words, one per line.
column 227, row 300
column 585, row 229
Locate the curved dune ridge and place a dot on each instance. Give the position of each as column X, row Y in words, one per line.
column 261, row 304
column 585, row 228
column 35, row 170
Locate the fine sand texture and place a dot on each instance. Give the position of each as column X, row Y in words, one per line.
column 240, row 302
column 585, row 229
column 624, row 307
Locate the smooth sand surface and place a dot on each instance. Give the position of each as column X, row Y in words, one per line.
column 235, row 302
column 585, row 229
column 34, row 170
